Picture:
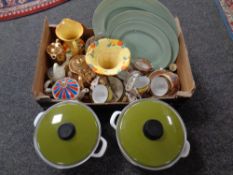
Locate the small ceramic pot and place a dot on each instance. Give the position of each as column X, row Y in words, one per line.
column 65, row 89
column 57, row 52
column 150, row 134
column 67, row 135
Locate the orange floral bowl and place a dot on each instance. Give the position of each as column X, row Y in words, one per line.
column 108, row 56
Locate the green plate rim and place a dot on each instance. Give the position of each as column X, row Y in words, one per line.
column 157, row 21
column 106, row 7
column 165, row 42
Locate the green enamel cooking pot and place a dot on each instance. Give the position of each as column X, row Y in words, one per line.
column 150, row 134
column 67, row 135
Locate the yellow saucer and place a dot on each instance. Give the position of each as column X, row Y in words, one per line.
column 108, row 56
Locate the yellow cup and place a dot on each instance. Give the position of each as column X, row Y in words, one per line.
column 70, row 32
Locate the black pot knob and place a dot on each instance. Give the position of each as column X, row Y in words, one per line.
column 66, row 131
column 153, row 129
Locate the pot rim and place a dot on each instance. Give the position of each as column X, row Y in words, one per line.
column 136, row 163
column 79, row 163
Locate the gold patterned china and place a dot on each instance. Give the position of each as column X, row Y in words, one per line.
column 143, row 65
column 81, row 71
column 164, row 83
column 70, row 31
column 108, row 56
column 174, row 82
column 142, row 84
column 56, row 52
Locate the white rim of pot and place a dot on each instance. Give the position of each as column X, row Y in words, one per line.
column 136, row 163
column 68, row 166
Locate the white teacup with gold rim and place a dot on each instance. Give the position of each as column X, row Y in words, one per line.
column 108, row 56
column 164, row 83
column 142, row 84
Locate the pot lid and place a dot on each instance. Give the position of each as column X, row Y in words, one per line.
column 151, row 134
column 67, row 134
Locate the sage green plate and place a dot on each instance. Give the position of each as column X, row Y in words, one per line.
column 110, row 8
column 147, row 17
column 145, row 41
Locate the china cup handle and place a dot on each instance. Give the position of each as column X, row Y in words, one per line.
column 46, row 86
column 186, row 150
column 102, row 150
column 113, row 119
column 37, row 118
column 83, row 93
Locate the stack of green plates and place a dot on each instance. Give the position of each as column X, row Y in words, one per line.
column 146, row 26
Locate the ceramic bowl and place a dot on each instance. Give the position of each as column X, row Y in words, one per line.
column 108, row 56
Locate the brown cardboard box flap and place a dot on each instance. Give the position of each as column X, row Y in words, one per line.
column 184, row 71
column 39, row 77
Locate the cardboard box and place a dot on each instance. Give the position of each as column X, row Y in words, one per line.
column 43, row 63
